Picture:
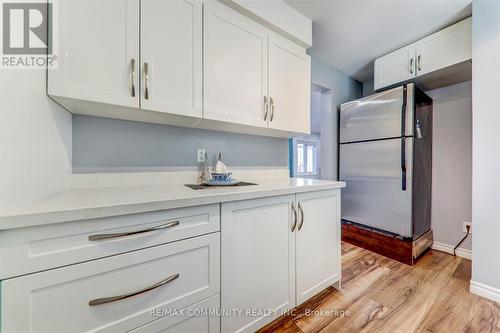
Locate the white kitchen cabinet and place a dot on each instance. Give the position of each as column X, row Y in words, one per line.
column 289, row 85
column 235, row 66
column 277, row 253
column 257, row 259
column 398, row 66
column 435, row 61
column 171, row 56
column 116, row 293
column 445, row 48
column 98, row 51
column 252, row 75
column 318, row 242
column 180, row 62
column 30, row 250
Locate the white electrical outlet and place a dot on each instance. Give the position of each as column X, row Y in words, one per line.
column 201, row 155
column 465, row 227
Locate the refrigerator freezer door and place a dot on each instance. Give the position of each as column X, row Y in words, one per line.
column 377, row 116
column 373, row 195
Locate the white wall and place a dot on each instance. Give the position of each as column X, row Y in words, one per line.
column 35, row 139
column 452, row 163
column 486, row 148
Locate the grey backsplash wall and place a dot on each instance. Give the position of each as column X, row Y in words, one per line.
column 110, row 145
column 107, row 145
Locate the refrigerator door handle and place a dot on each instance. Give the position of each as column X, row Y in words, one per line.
column 403, row 143
column 403, row 164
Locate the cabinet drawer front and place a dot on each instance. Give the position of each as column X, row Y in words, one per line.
column 29, row 250
column 59, row 300
column 188, row 320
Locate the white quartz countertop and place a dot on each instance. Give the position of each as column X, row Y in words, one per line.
column 95, row 202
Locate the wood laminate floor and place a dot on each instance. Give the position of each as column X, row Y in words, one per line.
column 382, row 295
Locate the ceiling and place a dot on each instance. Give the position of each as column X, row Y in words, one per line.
column 349, row 35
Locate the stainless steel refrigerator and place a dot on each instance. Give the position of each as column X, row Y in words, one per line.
column 385, row 158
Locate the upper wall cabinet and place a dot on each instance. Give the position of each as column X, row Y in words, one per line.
column 289, row 85
column 397, row 66
column 171, row 56
column 166, row 76
column 189, row 63
column 98, row 52
column 445, row 48
column 235, row 62
column 252, row 75
column 440, row 59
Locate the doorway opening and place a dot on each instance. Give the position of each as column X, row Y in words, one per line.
column 314, row 156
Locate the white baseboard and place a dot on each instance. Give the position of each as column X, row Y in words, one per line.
column 461, row 252
column 485, row 291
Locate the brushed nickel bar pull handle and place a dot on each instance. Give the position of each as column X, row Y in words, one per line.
column 99, row 301
column 146, row 80
column 100, row 237
column 132, row 77
column 294, row 217
column 419, row 65
column 272, row 109
column 301, row 216
column 266, row 108
column 411, row 66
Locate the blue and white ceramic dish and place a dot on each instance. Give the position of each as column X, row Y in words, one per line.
column 213, row 182
column 221, row 177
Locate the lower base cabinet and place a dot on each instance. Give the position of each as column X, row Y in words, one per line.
column 318, row 243
column 258, row 262
column 276, row 253
column 114, row 294
column 271, row 255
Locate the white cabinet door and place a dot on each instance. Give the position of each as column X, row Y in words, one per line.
column 258, row 260
column 445, row 48
column 289, row 86
column 395, row 67
column 318, row 242
column 98, row 51
column 171, row 56
column 235, row 66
